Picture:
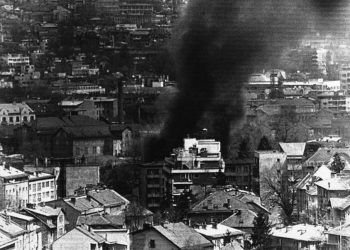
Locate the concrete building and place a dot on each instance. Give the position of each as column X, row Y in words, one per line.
column 16, row 60
column 344, row 75
column 14, row 236
column 154, row 185
column 16, row 113
column 34, row 241
column 14, row 187
column 196, row 163
column 42, row 188
column 242, row 173
column 269, row 162
column 334, row 101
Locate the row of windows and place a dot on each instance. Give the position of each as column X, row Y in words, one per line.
column 37, row 186
column 13, row 190
column 11, row 119
column 45, row 195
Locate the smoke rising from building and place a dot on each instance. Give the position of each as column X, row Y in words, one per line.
column 218, row 44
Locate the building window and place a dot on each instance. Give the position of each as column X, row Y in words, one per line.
column 47, row 194
column 52, row 195
column 152, row 244
column 17, row 118
column 25, row 118
column 94, row 150
column 39, row 197
column 47, row 184
column 32, row 118
column 34, row 187
column 11, row 119
column 39, row 186
column 30, row 186
column 51, row 182
column 92, row 246
column 86, row 150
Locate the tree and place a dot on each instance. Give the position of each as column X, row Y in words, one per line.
column 276, row 192
column 136, row 216
column 337, row 165
column 261, row 232
column 264, row 144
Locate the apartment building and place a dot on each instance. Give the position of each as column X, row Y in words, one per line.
column 154, row 184
column 344, row 75
column 196, row 163
column 16, row 60
column 14, row 187
column 42, row 188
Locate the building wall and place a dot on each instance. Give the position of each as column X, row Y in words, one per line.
column 81, row 176
column 42, row 190
column 16, row 194
column 75, row 240
column 90, row 148
column 141, row 241
column 268, row 162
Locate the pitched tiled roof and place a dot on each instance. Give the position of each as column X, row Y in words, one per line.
column 340, row 203
column 218, row 231
column 90, row 234
column 101, row 220
column 217, row 202
column 323, row 173
column 45, row 210
column 323, row 155
column 335, row 184
column 83, row 203
column 293, row 148
column 300, row 232
column 108, row 197
column 88, row 132
column 240, row 219
column 181, row 235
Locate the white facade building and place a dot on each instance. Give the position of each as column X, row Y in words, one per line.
column 16, row 113
column 15, row 184
column 42, row 188
column 16, row 59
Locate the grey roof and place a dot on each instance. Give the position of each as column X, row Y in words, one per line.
column 241, row 219
column 90, row 234
column 182, row 235
column 101, row 220
column 108, row 197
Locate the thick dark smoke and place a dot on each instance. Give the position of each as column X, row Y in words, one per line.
column 217, row 44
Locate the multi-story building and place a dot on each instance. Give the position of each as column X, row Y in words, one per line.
column 51, row 221
column 42, row 188
column 197, row 163
column 14, row 187
column 154, row 185
column 135, row 13
column 107, row 7
column 242, row 173
column 269, row 162
column 16, row 113
column 344, row 75
column 16, row 235
column 334, row 101
column 16, row 60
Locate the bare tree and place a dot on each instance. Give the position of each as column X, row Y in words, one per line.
column 278, row 193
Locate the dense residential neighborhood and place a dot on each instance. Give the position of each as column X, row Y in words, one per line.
column 146, row 124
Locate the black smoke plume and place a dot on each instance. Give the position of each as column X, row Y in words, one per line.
column 216, row 45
